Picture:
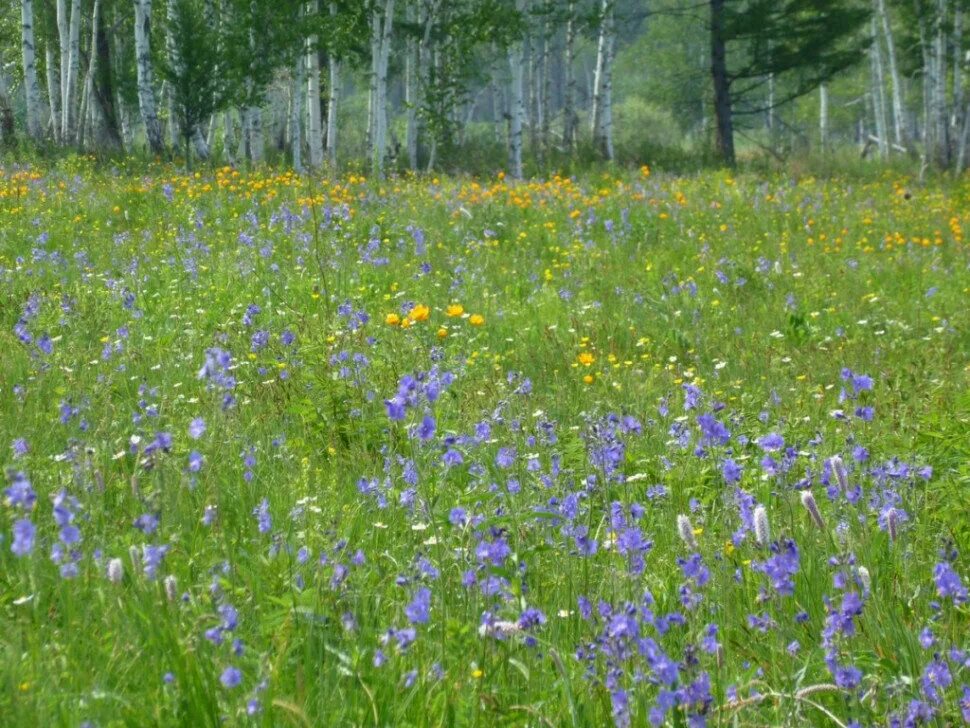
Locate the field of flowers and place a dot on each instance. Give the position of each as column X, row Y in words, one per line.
column 634, row 450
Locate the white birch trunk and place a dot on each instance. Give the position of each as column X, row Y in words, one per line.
column 296, row 112
column 146, row 94
column 69, row 108
column 333, row 101
column 569, row 120
column 602, row 122
column 254, row 134
column 88, row 121
column 63, row 41
column 411, row 90
column 31, row 88
column 878, row 91
column 516, row 102
column 53, row 93
column 956, row 104
column 314, row 130
column 940, row 116
column 900, row 130
column 823, row 116
column 381, row 26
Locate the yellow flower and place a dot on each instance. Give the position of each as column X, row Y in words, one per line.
column 419, row 313
column 442, row 332
column 392, row 319
column 586, row 358
column 476, row 319
column 588, row 379
column 455, row 309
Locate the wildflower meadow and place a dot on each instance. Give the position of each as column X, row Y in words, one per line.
column 626, row 449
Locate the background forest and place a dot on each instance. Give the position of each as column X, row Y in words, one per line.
column 475, row 85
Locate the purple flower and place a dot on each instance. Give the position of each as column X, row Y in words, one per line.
column 505, row 457
column 847, row 677
column 731, row 471
column 23, row 537
column 20, row 494
column 418, row 610
column 196, row 428
column 948, row 583
column 19, row 447
column 771, row 442
column 231, row 677
column 263, row 519
column 426, row 429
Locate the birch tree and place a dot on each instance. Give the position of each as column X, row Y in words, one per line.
column 602, row 117
column 143, row 60
column 516, row 54
column 6, row 105
column 900, row 130
column 69, row 101
column 570, row 120
column 382, row 21
column 314, row 130
column 53, row 91
column 31, row 88
column 297, row 104
column 877, row 92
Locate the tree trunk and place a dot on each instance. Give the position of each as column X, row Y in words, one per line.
column 88, row 122
column 146, row 95
column 229, row 137
column 6, row 106
column 382, row 20
column 314, row 121
column 570, row 122
column 333, row 101
column 516, row 102
column 602, row 122
column 722, row 84
column 296, row 112
column 877, row 89
column 53, row 92
column 35, row 128
column 103, row 87
column 823, row 117
column 412, row 88
column 545, row 93
column 69, row 107
column 63, row 40
column 956, row 99
column 940, row 115
column 900, row 130
column 964, row 139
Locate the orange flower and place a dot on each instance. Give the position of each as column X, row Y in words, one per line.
column 586, row 358
column 476, row 319
column 419, row 313
column 455, row 309
column 392, row 319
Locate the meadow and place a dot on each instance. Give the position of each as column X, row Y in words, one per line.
column 622, row 449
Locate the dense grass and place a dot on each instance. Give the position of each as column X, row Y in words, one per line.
column 503, row 477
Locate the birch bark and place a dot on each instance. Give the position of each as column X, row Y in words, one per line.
column 314, row 130
column 31, row 88
column 143, row 60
